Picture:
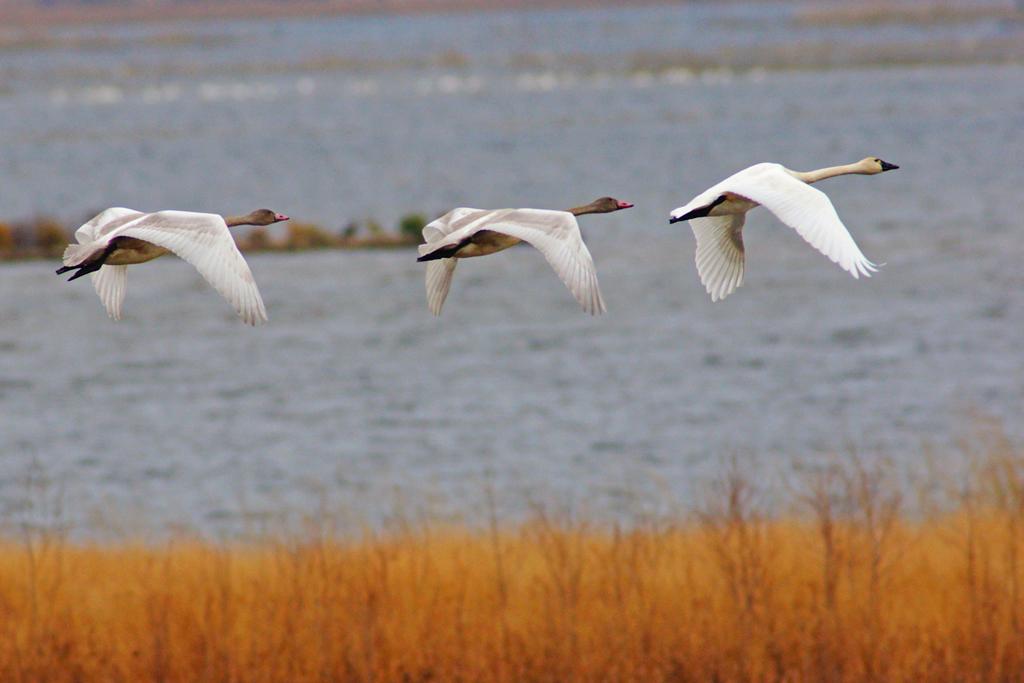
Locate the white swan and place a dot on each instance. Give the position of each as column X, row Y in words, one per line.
column 717, row 214
column 465, row 233
column 120, row 237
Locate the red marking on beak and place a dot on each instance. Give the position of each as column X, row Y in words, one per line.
column 625, row 205
column 280, row 217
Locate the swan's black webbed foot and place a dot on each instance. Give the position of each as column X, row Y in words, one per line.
column 82, row 270
column 445, row 252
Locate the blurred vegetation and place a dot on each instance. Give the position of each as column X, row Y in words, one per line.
column 411, row 226
column 41, row 237
column 841, row 581
column 307, row 236
column 45, row 237
column 920, row 13
column 6, row 241
column 50, row 237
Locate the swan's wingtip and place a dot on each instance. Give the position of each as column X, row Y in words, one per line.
column 865, row 268
column 717, row 296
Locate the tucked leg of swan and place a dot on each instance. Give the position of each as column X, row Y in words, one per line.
column 480, row 243
column 444, row 252
column 699, row 212
column 77, row 255
column 89, row 258
column 86, row 258
column 439, row 281
column 720, row 256
column 85, row 270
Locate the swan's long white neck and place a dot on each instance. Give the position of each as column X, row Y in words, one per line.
column 829, row 172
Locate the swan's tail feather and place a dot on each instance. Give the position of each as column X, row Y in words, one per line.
column 77, row 254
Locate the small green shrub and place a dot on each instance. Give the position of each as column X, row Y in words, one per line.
column 411, row 226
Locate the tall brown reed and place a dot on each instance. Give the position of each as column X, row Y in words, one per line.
column 845, row 585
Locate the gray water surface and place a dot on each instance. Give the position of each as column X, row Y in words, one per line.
column 355, row 398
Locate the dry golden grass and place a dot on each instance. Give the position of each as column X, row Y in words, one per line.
column 841, row 586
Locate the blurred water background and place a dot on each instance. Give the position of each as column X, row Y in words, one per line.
column 355, row 399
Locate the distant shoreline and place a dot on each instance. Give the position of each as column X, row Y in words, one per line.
column 46, row 238
column 873, row 13
column 262, row 9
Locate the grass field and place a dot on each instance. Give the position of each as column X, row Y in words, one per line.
column 840, row 584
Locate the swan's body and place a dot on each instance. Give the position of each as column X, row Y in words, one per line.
column 119, row 237
column 717, row 216
column 467, row 233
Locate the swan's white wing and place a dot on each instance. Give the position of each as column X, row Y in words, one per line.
column 556, row 235
column 803, row 208
column 435, row 235
column 461, row 220
column 720, row 256
column 441, row 271
column 105, row 222
column 203, row 240
column 110, row 283
column 439, row 281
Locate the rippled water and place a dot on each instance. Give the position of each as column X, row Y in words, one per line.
column 355, row 398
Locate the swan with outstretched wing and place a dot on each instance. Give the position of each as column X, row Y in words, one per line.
column 119, row 237
column 717, row 216
column 468, row 233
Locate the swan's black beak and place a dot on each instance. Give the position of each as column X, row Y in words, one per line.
column 886, row 166
column 677, row 219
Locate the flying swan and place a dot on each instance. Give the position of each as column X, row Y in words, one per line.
column 465, row 233
column 120, row 237
column 717, row 214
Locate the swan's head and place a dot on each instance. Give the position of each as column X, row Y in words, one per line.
column 874, row 165
column 608, row 205
column 265, row 217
